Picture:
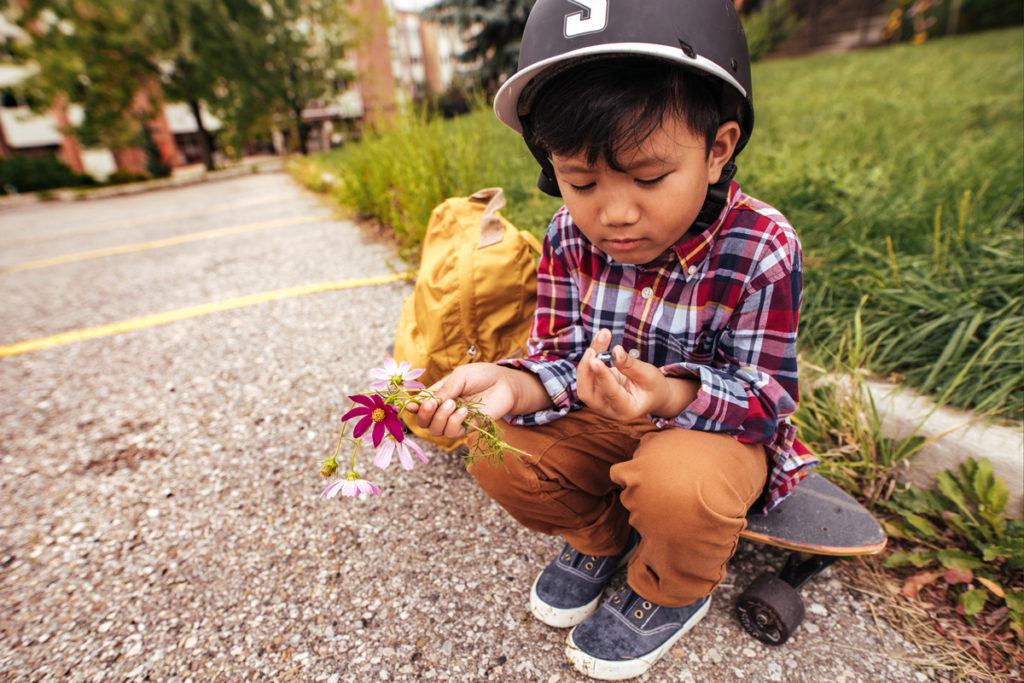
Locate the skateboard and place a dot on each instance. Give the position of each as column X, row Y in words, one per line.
column 818, row 523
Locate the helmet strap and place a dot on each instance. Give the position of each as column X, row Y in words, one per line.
column 718, row 195
column 546, row 182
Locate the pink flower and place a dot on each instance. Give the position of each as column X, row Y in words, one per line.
column 377, row 414
column 396, row 375
column 352, row 485
column 406, row 449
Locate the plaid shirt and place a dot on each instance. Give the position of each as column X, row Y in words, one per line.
column 721, row 307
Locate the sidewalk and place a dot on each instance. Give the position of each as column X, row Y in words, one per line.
column 180, row 177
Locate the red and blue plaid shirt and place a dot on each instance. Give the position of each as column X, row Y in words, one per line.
column 721, row 308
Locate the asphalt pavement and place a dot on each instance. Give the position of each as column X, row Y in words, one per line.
column 173, row 367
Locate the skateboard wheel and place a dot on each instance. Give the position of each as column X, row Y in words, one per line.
column 770, row 609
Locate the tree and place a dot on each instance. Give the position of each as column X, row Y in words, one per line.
column 497, row 30
column 299, row 59
column 91, row 53
column 250, row 61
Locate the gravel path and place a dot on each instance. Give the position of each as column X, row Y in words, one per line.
column 159, row 517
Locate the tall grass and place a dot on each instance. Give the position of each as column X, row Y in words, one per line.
column 398, row 177
column 902, row 169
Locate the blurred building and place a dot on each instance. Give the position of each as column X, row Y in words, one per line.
column 406, row 59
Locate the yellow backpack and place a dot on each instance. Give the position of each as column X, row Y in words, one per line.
column 474, row 296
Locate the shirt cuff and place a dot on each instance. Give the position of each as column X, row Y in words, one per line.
column 559, row 380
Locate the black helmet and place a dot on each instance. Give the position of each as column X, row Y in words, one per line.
column 704, row 35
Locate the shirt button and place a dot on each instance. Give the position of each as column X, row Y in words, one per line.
column 692, row 270
column 647, row 292
column 635, row 353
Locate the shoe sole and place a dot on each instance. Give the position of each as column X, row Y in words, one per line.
column 557, row 617
column 567, row 617
column 608, row 670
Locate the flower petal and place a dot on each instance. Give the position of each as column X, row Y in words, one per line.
column 378, row 433
column 383, row 457
column 333, row 490
column 404, row 457
column 367, row 487
column 363, row 399
column 358, row 410
column 394, row 425
column 362, row 426
column 415, row 448
column 413, row 374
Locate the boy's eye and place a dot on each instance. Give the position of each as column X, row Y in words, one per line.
column 651, row 181
column 582, row 188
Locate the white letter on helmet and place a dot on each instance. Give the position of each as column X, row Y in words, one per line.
column 593, row 20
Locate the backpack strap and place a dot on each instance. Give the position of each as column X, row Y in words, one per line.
column 492, row 230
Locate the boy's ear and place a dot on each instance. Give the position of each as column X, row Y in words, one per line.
column 722, row 149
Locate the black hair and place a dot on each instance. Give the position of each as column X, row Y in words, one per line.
column 603, row 106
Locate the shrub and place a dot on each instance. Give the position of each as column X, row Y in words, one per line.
column 31, row 174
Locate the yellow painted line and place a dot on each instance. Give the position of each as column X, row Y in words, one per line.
column 156, row 218
column 193, row 312
column 158, row 244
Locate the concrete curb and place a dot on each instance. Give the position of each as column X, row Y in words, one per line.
column 187, row 177
column 958, row 435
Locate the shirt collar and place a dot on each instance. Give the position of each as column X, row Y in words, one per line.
column 696, row 249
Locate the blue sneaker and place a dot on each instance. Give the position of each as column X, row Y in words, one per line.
column 627, row 635
column 569, row 588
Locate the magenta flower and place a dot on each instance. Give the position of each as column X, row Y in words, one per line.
column 377, row 414
column 406, row 449
column 396, row 375
column 352, row 485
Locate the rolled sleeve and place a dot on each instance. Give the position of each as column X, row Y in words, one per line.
column 752, row 385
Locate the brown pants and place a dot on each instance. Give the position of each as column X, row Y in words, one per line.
column 589, row 479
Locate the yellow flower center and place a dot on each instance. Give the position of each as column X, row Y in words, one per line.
column 378, row 415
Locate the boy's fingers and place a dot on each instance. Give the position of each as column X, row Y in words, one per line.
column 601, row 340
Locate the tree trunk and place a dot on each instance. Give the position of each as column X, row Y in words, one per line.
column 303, row 131
column 205, row 139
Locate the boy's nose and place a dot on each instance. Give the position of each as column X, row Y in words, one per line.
column 619, row 210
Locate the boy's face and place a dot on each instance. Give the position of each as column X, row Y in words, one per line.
column 636, row 214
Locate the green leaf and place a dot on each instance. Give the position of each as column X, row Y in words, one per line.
column 973, row 601
column 951, row 489
column 897, row 559
column 923, row 526
column 957, row 559
column 983, row 479
column 922, row 559
column 1015, row 601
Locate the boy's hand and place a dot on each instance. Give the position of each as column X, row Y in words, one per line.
column 630, row 389
column 498, row 390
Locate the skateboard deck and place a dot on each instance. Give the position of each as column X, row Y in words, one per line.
column 820, row 518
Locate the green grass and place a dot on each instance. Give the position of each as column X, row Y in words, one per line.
column 902, row 169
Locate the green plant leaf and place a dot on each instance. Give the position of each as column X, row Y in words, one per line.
column 950, row 488
column 899, row 558
column 1015, row 601
column 922, row 526
column 957, row 559
column 922, row 559
column 983, row 479
column 972, row 601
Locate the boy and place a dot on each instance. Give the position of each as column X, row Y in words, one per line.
column 655, row 453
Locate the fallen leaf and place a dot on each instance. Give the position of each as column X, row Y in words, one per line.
column 954, row 576
column 913, row 585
